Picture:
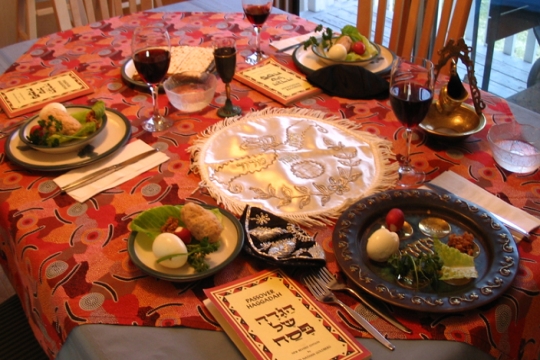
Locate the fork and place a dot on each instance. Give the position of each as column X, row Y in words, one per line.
column 324, row 295
column 328, row 279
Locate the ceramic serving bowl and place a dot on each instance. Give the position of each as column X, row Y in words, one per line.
column 321, row 53
column 190, row 91
column 67, row 147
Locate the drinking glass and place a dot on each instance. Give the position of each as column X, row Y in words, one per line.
column 257, row 12
column 151, row 49
column 411, row 93
column 225, row 59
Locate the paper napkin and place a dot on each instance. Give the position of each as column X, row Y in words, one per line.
column 129, row 172
column 297, row 40
column 465, row 189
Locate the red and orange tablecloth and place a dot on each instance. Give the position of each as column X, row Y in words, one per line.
column 68, row 261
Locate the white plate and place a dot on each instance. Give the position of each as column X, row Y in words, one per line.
column 308, row 62
column 232, row 239
column 116, row 133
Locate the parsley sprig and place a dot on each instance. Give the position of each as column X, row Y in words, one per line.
column 421, row 269
column 196, row 254
column 326, row 38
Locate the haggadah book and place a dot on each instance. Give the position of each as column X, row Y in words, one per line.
column 269, row 316
column 277, row 82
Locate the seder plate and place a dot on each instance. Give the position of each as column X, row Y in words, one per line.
column 497, row 263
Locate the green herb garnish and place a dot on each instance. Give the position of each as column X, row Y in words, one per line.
column 421, row 269
column 326, row 38
column 197, row 253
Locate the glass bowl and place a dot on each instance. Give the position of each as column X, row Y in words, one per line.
column 515, row 147
column 190, row 91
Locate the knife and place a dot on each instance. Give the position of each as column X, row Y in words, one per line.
column 511, row 226
column 96, row 175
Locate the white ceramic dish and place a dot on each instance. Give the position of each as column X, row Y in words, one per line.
column 68, row 147
column 308, row 62
column 114, row 135
column 232, row 240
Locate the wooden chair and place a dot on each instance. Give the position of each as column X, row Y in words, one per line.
column 132, row 6
column 416, row 28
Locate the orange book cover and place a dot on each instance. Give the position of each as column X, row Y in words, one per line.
column 277, row 82
column 22, row 99
column 269, row 316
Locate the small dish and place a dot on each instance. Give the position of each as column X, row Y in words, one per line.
column 67, row 147
column 232, row 240
column 190, row 91
column 322, row 54
column 116, row 133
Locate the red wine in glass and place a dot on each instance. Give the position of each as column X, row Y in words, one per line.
column 257, row 14
column 225, row 59
column 410, row 102
column 152, row 64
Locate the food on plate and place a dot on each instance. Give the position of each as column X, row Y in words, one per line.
column 201, row 222
column 464, row 243
column 56, row 126
column 170, row 250
column 382, row 244
column 170, row 219
column 187, row 58
column 350, row 45
column 395, row 220
column 416, row 271
column 456, row 265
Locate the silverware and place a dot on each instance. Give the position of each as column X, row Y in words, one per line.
column 328, row 279
column 289, row 47
column 106, row 171
column 515, row 230
column 322, row 294
column 7, row 130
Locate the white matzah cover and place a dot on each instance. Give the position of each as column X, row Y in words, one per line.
column 299, row 164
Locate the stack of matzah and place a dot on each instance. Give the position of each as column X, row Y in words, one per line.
column 190, row 58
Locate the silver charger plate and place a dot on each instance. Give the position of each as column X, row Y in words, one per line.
column 232, row 240
column 116, row 133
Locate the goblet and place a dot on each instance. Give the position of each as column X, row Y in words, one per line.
column 257, row 12
column 151, row 49
column 411, row 93
column 225, row 59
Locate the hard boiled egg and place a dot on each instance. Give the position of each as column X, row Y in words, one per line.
column 166, row 244
column 337, row 52
column 382, row 244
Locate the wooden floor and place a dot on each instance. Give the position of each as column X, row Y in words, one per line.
column 508, row 74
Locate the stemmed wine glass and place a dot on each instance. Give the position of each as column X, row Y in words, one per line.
column 225, row 59
column 257, row 12
column 151, row 51
column 411, row 93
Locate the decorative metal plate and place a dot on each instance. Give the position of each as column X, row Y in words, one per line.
column 497, row 262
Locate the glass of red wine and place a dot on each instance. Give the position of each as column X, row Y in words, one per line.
column 225, row 60
column 151, row 52
column 411, row 93
column 257, row 12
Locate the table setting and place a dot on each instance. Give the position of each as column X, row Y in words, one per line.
column 301, row 187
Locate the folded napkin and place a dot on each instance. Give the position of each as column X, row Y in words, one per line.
column 349, row 81
column 296, row 40
column 133, row 149
column 465, row 189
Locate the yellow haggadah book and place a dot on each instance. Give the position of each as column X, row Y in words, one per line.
column 269, row 316
column 277, row 82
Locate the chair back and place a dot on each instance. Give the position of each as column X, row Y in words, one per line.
column 418, row 27
column 132, row 6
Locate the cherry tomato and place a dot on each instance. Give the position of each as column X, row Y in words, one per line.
column 184, row 234
column 359, row 48
column 37, row 130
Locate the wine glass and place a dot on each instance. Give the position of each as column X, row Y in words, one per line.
column 257, row 12
column 151, row 49
column 225, row 59
column 411, row 93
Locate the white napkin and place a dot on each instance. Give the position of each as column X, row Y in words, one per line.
column 465, row 189
column 300, row 39
column 118, row 177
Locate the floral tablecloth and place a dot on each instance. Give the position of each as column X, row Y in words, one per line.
column 68, row 261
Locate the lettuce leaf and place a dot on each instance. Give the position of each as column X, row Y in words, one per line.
column 456, row 265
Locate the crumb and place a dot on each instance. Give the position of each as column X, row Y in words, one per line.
column 463, row 243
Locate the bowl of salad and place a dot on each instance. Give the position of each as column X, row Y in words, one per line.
column 58, row 129
column 350, row 47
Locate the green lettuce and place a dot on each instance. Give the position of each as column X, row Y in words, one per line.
column 456, row 265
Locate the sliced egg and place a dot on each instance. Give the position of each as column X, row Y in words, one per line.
column 337, row 52
column 382, row 244
column 166, row 244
